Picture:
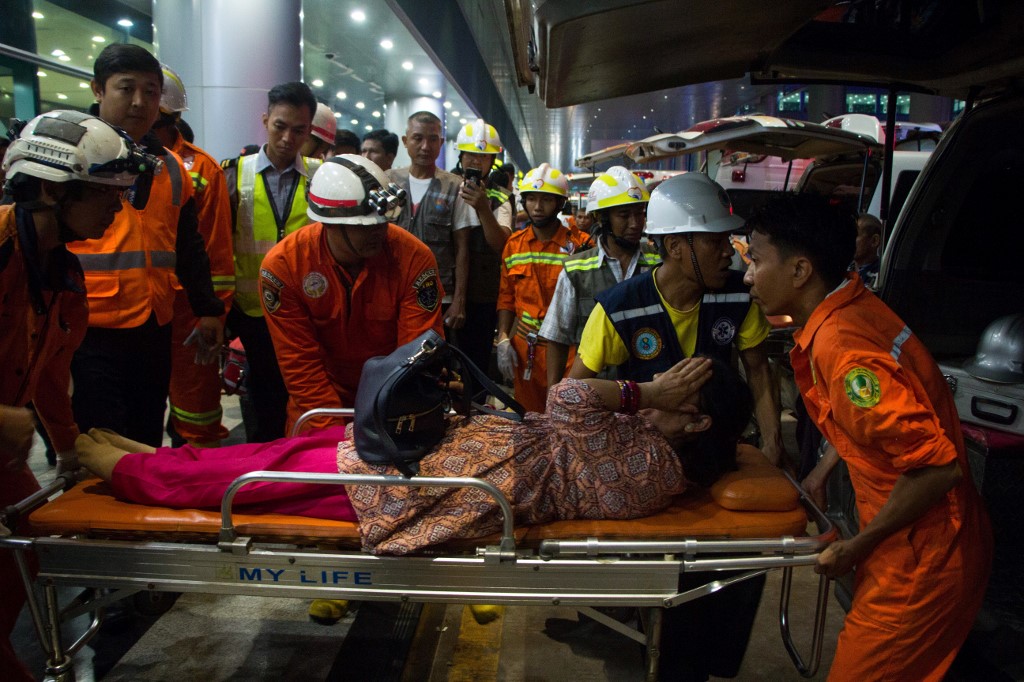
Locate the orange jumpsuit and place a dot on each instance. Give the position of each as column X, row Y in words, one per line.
column 39, row 331
column 878, row 396
column 325, row 324
column 529, row 273
column 195, row 389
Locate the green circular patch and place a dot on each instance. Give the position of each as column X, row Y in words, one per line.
column 862, row 387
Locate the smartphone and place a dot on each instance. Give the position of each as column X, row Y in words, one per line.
column 473, row 175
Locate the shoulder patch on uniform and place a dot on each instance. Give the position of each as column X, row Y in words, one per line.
column 271, row 278
column 862, row 387
column 647, row 343
column 314, row 285
column 427, row 295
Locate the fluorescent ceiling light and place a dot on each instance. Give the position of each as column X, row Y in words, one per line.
column 436, row 94
column 341, row 94
column 407, row 65
column 447, row 105
column 125, row 23
column 317, row 83
column 61, row 95
column 376, row 114
column 358, row 16
column 38, row 15
column 58, row 52
column 355, row 121
column 360, row 105
column 387, row 44
column 99, row 39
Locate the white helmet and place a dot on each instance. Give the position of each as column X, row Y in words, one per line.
column 1000, row 355
column 324, row 123
column 616, row 187
column 691, row 202
column 352, row 190
column 173, row 99
column 478, row 138
column 62, row 146
column 545, row 180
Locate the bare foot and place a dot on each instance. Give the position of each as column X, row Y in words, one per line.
column 99, row 458
column 116, row 439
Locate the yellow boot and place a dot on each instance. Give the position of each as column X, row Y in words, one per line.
column 327, row 611
column 485, row 613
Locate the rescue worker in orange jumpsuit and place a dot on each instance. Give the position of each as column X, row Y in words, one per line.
column 531, row 263
column 924, row 549
column 121, row 371
column 347, row 288
column 195, row 371
column 65, row 173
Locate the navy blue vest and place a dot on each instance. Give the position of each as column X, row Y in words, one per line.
column 643, row 324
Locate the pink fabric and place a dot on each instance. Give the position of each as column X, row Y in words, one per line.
column 197, row 478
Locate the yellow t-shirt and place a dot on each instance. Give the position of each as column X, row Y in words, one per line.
column 601, row 346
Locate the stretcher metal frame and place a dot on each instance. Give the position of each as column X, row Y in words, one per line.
column 584, row 573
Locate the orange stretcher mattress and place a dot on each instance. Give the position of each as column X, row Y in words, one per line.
column 757, row 501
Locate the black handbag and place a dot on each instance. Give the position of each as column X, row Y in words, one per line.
column 403, row 398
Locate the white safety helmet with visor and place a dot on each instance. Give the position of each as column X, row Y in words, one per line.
column 352, row 190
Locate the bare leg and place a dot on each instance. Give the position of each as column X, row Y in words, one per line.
column 116, row 439
column 99, row 458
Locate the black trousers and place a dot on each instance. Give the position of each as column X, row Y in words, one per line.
column 476, row 338
column 266, row 391
column 121, row 378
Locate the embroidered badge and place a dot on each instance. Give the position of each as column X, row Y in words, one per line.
column 723, row 331
column 271, row 298
column 634, row 193
column 646, row 344
column 426, row 290
column 862, row 387
column 440, row 205
column 314, row 284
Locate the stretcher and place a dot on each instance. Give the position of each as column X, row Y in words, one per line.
column 753, row 520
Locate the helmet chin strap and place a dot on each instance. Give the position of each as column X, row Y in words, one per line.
column 624, row 244
column 693, row 259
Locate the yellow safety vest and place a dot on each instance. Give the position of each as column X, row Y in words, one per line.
column 256, row 230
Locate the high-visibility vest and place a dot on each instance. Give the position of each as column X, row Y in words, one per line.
column 256, row 228
column 129, row 271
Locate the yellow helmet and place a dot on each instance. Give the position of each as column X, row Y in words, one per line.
column 546, row 180
column 616, row 187
column 478, row 138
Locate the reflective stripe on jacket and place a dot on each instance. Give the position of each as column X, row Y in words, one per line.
column 129, row 271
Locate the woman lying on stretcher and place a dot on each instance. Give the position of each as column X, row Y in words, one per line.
column 583, row 459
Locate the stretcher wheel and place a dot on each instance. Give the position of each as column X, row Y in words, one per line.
column 153, row 604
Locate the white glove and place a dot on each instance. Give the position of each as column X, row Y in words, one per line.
column 206, row 353
column 67, row 461
column 507, row 360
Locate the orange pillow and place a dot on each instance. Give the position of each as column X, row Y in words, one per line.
column 756, row 486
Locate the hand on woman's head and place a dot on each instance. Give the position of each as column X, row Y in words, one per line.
column 676, row 389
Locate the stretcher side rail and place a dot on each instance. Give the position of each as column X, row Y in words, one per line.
column 230, row 540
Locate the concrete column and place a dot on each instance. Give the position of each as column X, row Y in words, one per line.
column 229, row 53
column 396, row 120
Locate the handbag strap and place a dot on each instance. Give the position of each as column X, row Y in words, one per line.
column 477, row 374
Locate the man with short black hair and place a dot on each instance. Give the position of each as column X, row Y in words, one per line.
column 381, row 147
column 122, row 369
column 924, row 549
column 267, row 191
column 345, row 142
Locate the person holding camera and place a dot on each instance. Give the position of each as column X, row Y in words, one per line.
column 434, row 212
column 479, row 145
